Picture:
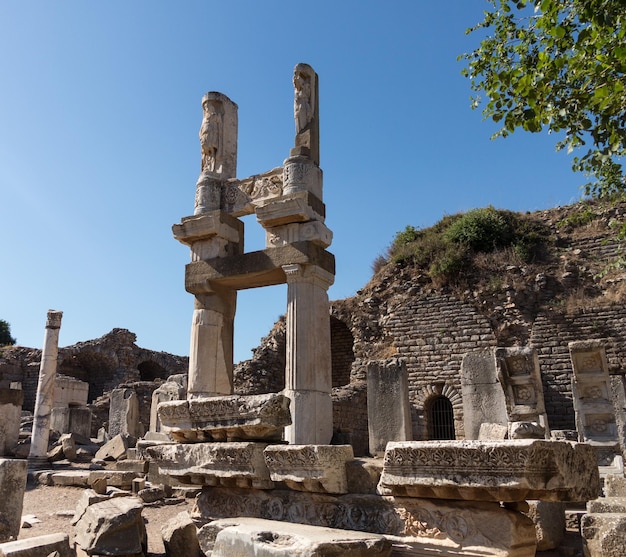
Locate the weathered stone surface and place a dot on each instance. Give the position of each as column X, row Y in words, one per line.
column 615, row 486
column 69, row 391
column 114, row 449
column 316, row 468
column 10, row 413
column 514, row 470
column 479, row 528
column 388, row 408
column 112, row 527
column 175, row 388
column 12, row 485
column 70, row 477
column 40, row 546
column 258, row 417
column 604, row 535
column 116, row 478
column 180, row 538
column 607, row 505
column 237, row 464
column 255, row 537
column 549, row 520
column 483, row 398
column 124, row 413
column 492, row 432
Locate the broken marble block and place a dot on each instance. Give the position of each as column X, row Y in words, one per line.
column 236, row 464
column 180, row 537
column 508, row 471
column 254, row 537
column 112, row 527
column 315, row 468
column 12, row 485
column 226, row 418
column 604, row 534
column 39, row 546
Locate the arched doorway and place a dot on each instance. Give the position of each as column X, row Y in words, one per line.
column 440, row 419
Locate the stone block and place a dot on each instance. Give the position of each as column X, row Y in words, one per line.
column 132, row 465
column 263, row 538
column 69, row 391
column 607, row 505
column 615, row 485
column 124, row 413
column 69, row 447
column 78, row 478
column 492, row 432
column 549, row 520
column 116, row 478
column 180, row 537
column 39, row 546
column 316, row 468
column 604, row 535
column 115, row 449
column 227, row 464
column 225, row 418
column 388, row 408
column 112, row 527
column 10, row 417
column 12, row 485
column 444, row 527
column 508, row 471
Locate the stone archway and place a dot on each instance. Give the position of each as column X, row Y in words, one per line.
column 430, row 398
column 150, row 371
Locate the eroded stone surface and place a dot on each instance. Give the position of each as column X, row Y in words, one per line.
column 514, row 470
column 317, row 468
column 39, row 546
column 484, row 527
column 257, row 417
column 604, row 535
column 255, row 537
column 12, row 485
column 236, row 464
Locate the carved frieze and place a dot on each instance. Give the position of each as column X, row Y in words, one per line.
column 484, row 527
column 490, row 470
column 215, row 464
column 317, row 468
column 233, row 417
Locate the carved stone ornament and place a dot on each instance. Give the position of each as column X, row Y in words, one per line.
column 214, row 464
column 508, row 471
column 226, row 418
column 467, row 527
column 318, row 468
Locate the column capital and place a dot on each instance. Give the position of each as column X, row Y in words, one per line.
column 310, row 273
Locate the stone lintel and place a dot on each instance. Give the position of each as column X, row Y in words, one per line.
column 255, row 537
column 316, row 468
column 506, row 471
column 238, row 464
column 226, row 418
column 254, row 269
column 206, row 225
column 300, row 206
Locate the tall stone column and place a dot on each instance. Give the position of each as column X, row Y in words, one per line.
column 211, row 346
column 308, row 369
column 45, row 388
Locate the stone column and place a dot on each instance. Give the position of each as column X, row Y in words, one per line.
column 45, row 388
column 211, row 346
column 308, row 369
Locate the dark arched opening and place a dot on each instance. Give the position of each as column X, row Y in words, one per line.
column 440, row 419
column 149, row 371
column 342, row 352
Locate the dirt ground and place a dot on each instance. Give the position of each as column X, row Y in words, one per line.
column 54, row 506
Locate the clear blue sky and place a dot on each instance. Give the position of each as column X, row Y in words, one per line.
column 99, row 152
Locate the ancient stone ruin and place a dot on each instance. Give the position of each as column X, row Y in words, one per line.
column 336, row 453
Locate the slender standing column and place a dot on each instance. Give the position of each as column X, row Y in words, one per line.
column 45, row 388
column 211, row 347
column 308, row 369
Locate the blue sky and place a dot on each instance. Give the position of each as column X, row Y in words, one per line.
column 99, row 153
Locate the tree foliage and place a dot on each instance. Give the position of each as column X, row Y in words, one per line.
column 5, row 333
column 558, row 65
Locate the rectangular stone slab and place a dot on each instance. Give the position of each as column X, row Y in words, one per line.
column 12, row 485
column 508, row 471
column 254, row 537
column 223, row 464
column 40, row 546
column 226, row 418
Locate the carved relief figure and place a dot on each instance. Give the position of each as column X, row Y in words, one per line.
column 210, row 132
column 303, row 101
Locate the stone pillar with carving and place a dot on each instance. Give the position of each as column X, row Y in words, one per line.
column 45, row 388
column 308, row 369
column 213, row 233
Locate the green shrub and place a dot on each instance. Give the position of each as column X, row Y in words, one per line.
column 481, row 230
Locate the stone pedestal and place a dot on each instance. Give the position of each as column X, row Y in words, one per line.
column 124, row 413
column 45, row 388
column 10, row 413
column 73, row 419
column 308, row 369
